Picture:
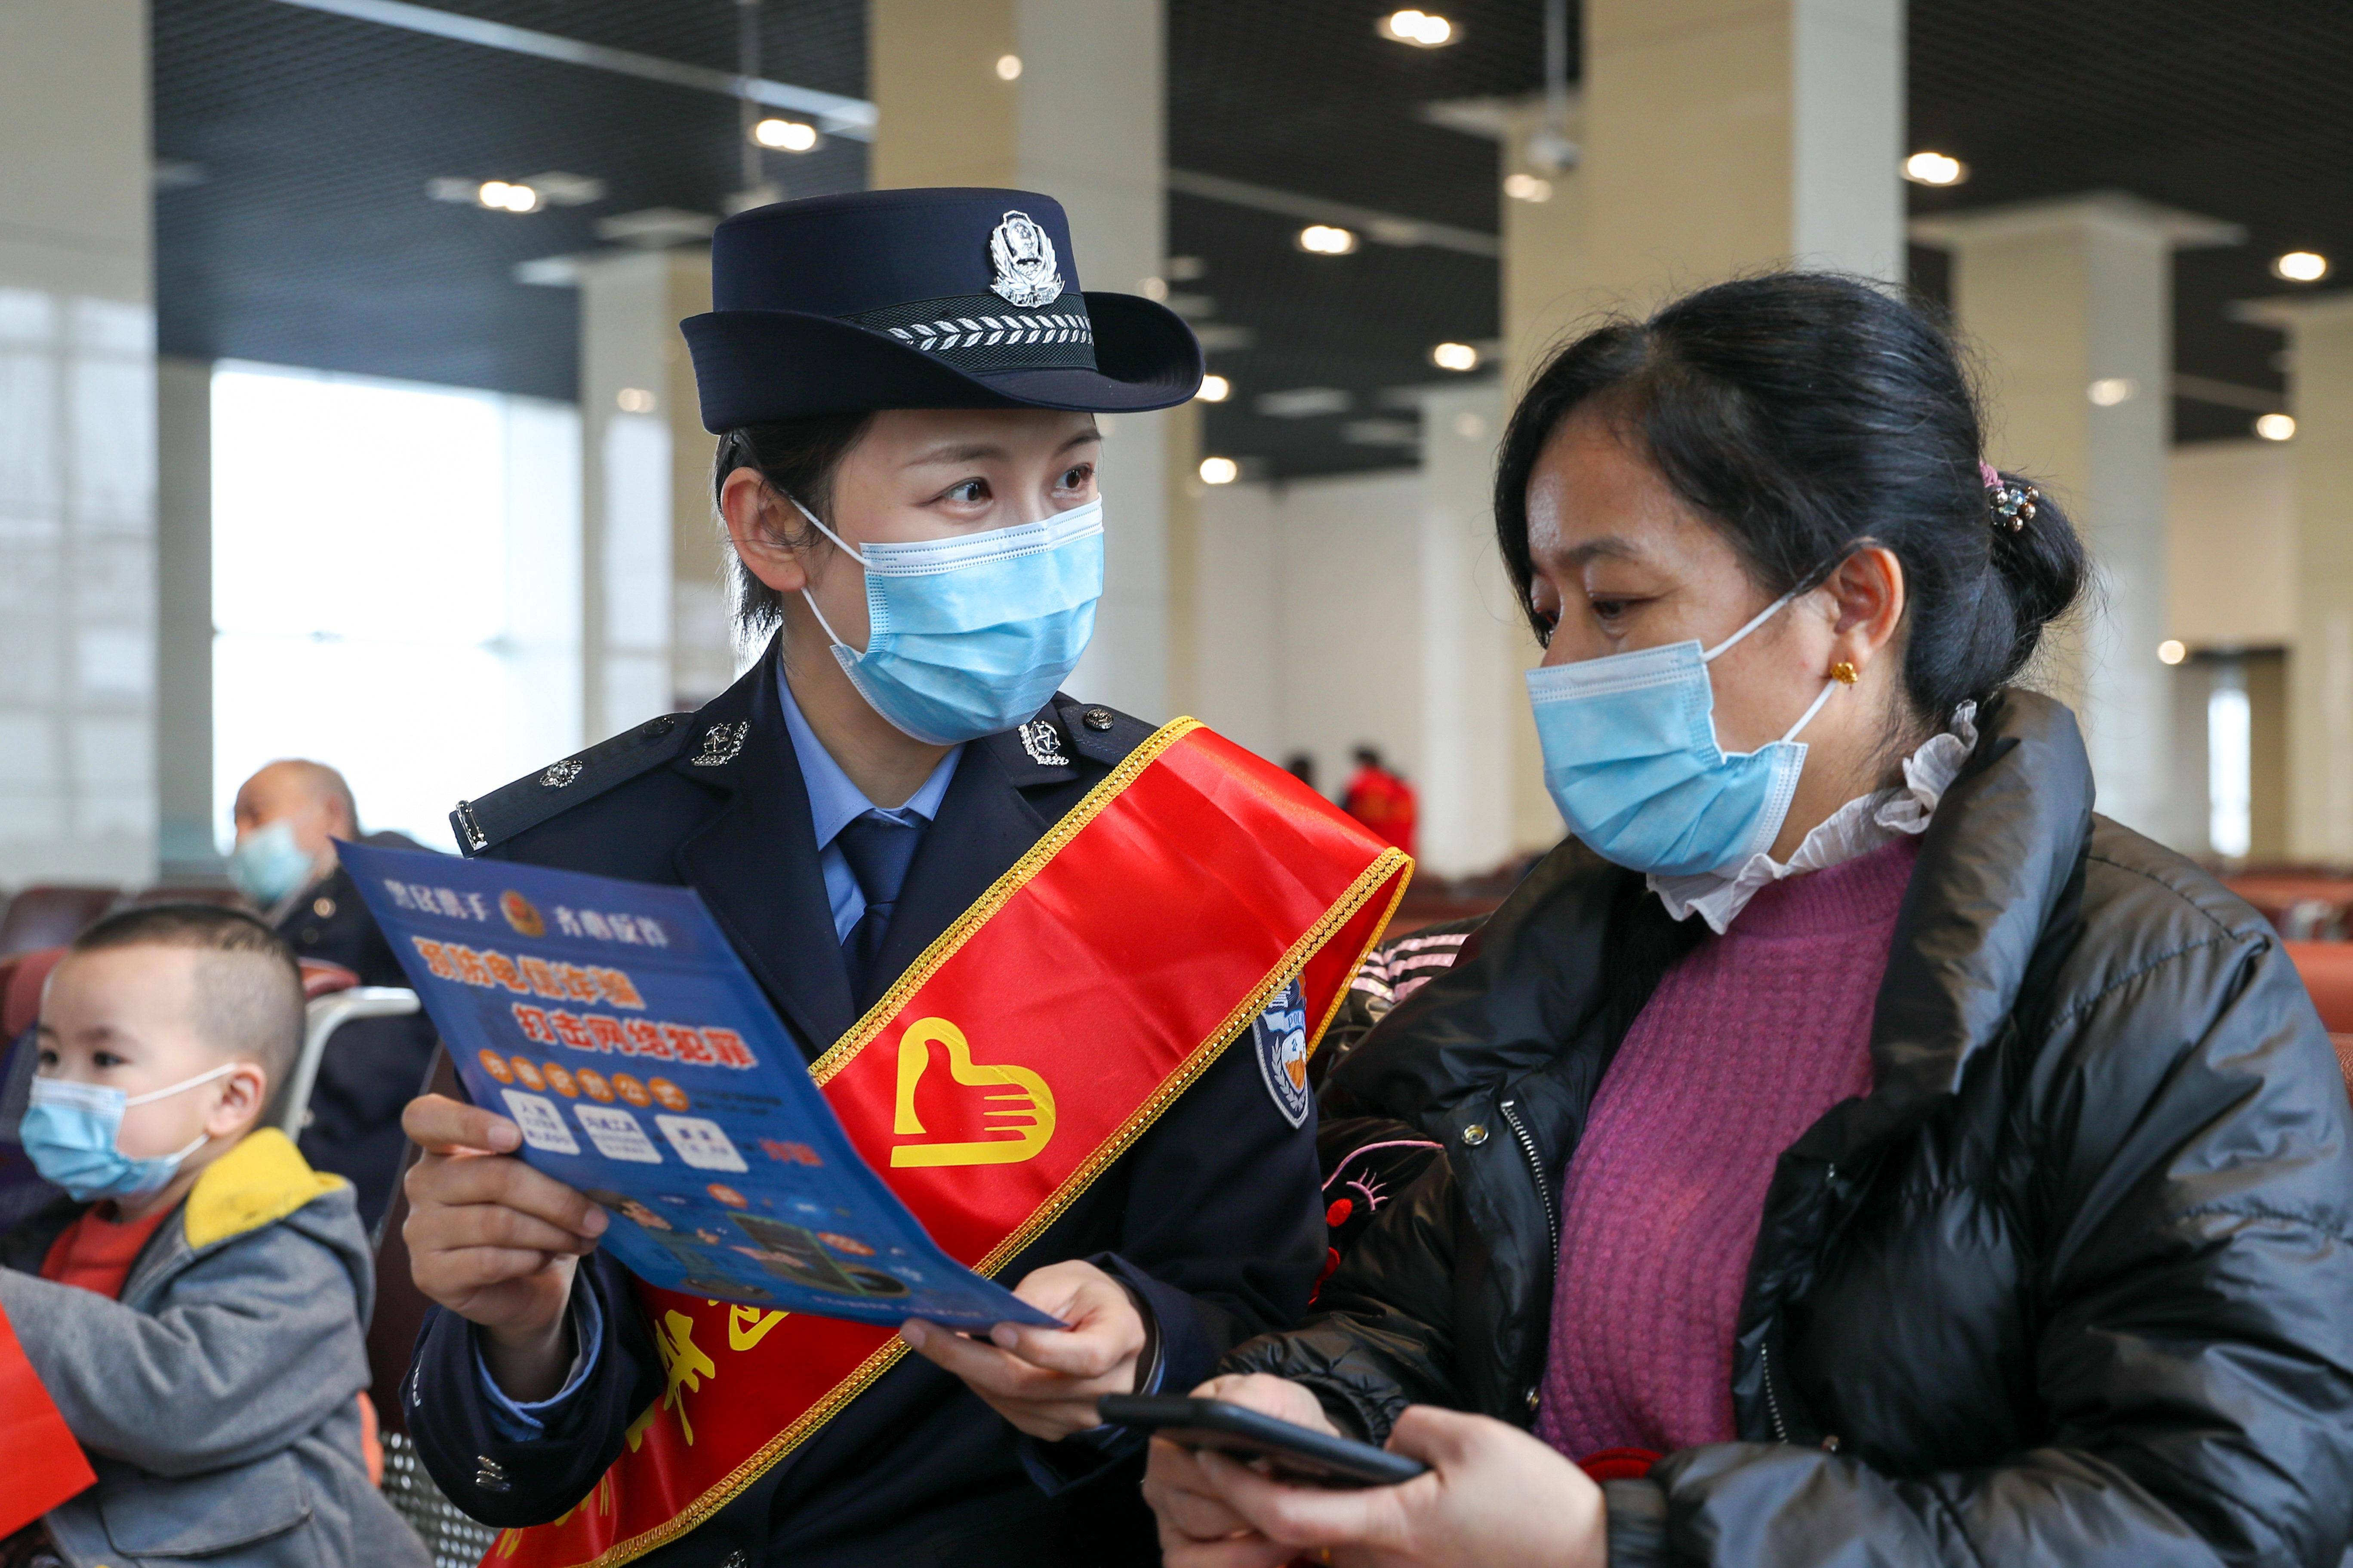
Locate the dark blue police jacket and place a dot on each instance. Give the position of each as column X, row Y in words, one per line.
column 1213, row 1217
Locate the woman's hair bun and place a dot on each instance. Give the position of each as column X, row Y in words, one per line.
column 1808, row 413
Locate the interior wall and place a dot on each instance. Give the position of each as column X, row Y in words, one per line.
column 2231, row 532
column 1310, row 619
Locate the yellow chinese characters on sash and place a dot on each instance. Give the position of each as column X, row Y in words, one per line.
column 1028, row 1048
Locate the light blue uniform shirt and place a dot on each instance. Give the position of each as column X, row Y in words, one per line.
column 834, row 803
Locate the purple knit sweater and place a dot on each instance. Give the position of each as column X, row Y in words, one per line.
column 1745, row 1044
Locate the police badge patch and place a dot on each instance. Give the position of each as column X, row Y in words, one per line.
column 1026, row 274
column 1279, row 1037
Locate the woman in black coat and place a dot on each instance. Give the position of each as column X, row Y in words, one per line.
column 2071, row 1280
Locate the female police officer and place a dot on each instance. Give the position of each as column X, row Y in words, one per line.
column 905, row 383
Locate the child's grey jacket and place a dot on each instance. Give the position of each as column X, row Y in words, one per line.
column 218, row 1399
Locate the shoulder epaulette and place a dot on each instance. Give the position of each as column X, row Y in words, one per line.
column 1102, row 734
column 533, row 798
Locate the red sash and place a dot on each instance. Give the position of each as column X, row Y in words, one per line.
column 1024, row 1052
column 42, row 1461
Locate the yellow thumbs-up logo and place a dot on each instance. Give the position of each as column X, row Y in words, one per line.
column 1020, row 1118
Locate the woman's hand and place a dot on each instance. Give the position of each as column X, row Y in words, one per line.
column 493, row 1240
column 1046, row 1381
column 1493, row 1495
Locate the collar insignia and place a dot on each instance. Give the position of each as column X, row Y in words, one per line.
column 721, row 743
column 1024, row 258
column 1044, row 744
column 561, row 774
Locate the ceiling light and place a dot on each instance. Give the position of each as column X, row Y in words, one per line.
column 634, row 400
column 1527, row 188
column 1454, row 356
column 501, row 196
column 1220, row 470
column 1421, row 29
column 2275, row 427
column 1935, row 169
column 2301, row 267
column 1008, row 68
column 786, row 135
column 2171, row 651
column 1324, row 239
column 1214, row 389
column 2111, row 390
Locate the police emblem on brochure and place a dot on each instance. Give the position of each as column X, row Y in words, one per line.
column 1279, row 1037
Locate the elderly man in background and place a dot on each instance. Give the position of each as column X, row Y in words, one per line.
column 288, row 817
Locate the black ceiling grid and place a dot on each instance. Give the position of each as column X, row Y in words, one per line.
column 309, row 239
column 2229, row 110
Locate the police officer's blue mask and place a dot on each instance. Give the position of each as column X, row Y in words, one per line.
column 969, row 636
column 1632, row 759
column 267, row 865
column 69, row 1133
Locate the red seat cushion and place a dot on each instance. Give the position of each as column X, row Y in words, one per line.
column 22, row 975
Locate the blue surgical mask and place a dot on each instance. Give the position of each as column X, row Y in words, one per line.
column 1632, row 759
column 267, row 865
column 69, row 1133
column 969, row 636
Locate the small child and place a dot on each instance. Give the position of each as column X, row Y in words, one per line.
column 195, row 1307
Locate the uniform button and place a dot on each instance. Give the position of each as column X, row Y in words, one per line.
column 1475, row 1135
column 1532, row 1400
column 325, row 908
column 310, row 936
column 1096, row 718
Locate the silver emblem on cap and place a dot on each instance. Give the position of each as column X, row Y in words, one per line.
column 1024, row 258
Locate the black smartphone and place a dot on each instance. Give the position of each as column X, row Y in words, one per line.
column 1294, row 1453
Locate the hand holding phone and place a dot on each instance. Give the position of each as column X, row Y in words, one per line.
column 1294, row 1453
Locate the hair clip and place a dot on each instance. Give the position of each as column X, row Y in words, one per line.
column 2014, row 507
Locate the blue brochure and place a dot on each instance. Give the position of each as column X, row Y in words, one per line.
column 616, row 1026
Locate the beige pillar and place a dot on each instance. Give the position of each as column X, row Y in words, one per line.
column 186, row 845
column 2070, row 305
column 655, row 632
column 1474, row 642
column 1080, row 119
column 77, row 445
column 2320, row 660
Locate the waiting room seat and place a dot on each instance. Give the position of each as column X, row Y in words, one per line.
column 454, row 1540
column 2327, row 970
column 51, row 915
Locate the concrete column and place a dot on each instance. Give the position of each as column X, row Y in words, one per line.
column 1473, row 640
column 2320, row 660
column 1063, row 97
column 2070, row 304
column 654, row 630
column 183, row 620
column 77, row 446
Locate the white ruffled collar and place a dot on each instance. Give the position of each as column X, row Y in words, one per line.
column 1859, row 826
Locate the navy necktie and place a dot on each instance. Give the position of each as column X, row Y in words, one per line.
column 878, row 851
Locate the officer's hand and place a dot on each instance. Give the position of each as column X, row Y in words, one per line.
column 493, row 1240
column 1492, row 1494
column 1046, row 1381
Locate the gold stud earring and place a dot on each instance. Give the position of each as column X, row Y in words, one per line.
column 1844, row 673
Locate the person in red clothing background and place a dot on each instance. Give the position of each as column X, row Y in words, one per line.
column 1379, row 797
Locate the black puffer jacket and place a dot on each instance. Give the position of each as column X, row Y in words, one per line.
column 2073, row 1285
